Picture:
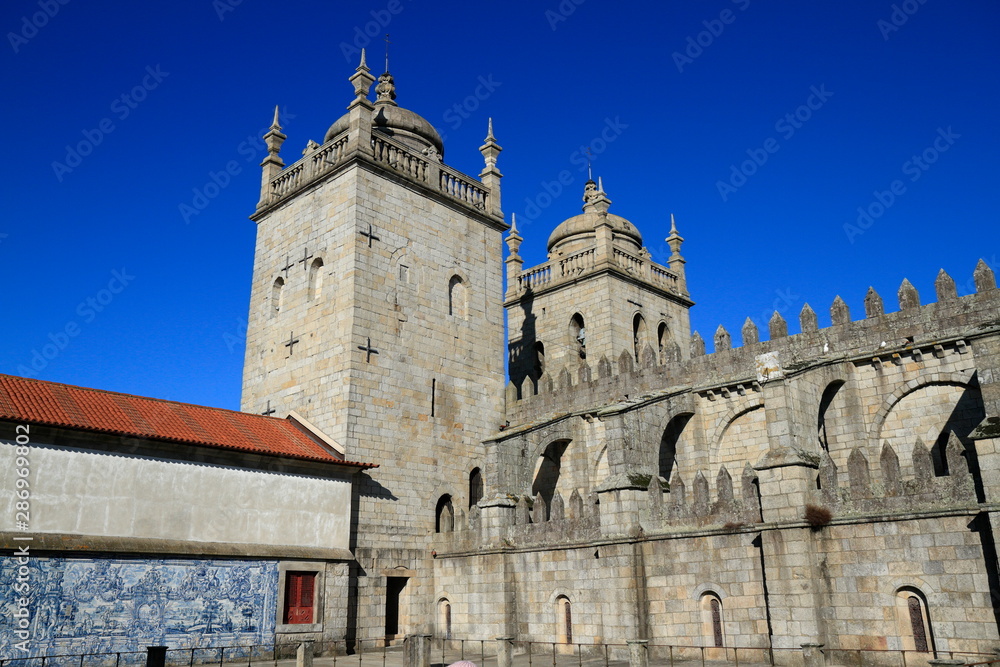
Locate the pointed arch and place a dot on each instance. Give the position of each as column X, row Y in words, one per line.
column 315, row 283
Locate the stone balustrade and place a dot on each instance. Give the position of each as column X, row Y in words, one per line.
column 385, row 151
column 586, row 261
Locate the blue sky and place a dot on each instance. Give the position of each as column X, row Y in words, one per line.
column 763, row 127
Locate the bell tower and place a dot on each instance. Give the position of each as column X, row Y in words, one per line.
column 376, row 314
column 599, row 295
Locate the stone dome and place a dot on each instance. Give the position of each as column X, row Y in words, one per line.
column 579, row 231
column 393, row 120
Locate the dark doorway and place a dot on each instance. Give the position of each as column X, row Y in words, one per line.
column 393, row 592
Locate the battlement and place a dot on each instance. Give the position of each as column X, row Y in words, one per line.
column 858, row 491
column 913, row 332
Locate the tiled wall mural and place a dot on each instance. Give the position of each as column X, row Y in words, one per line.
column 83, row 605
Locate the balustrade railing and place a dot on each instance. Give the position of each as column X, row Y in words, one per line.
column 576, row 264
column 454, row 184
column 312, row 166
column 662, row 276
column 581, row 263
column 399, row 158
column 628, row 262
column 536, row 277
column 386, row 151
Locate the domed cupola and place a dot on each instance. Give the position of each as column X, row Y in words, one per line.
column 392, row 120
column 580, row 231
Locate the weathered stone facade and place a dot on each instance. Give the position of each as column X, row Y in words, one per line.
column 833, row 486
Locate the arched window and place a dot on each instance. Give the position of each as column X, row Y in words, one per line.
column 444, row 618
column 564, row 620
column 457, row 298
column 315, row 279
column 539, row 363
column 276, row 289
column 578, row 335
column 444, row 521
column 711, row 619
column 475, row 486
column 913, row 620
column 638, row 335
column 662, row 340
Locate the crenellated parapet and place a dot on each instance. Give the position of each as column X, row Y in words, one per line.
column 693, row 504
column 885, row 487
column 913, row 334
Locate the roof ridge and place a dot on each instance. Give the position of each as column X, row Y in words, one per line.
column 85, row 409
column 4, row 376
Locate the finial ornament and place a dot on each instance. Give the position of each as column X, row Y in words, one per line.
column 490, row 148
column 513, row 223
column 673, row 225
column 387, row 42
column 594, row 198
column 590, row 171
column 385, row 91
column 362, row 79
column 274, row 124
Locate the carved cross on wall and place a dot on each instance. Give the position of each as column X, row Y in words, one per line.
column 368, row 350
column 371, row 235
column 305, row 257
column 288, row 264
column 269, row 410
column 292, row 340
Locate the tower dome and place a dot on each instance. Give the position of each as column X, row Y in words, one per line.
column 580, row 231
column 390, row 119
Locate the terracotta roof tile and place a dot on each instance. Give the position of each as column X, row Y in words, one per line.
column 98, row 411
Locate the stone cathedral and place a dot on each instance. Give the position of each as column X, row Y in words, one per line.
column 385, row 477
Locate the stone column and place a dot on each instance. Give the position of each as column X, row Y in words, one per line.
column 304, row 654
column 417, row 651
column 505, row 651
column 638, row 653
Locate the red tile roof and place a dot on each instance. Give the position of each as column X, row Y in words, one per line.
column 97, row 411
